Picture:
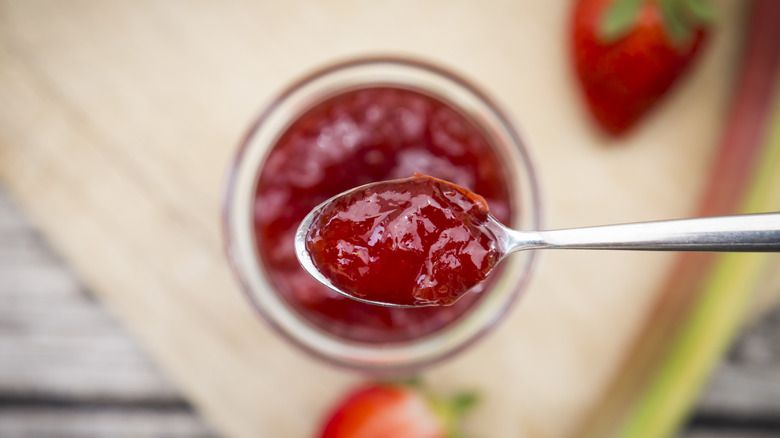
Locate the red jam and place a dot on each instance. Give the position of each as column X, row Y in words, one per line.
column 417, row 241
column 358, row 137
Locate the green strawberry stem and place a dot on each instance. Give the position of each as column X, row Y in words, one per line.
column 702, row 300
column 620, row 19
column 701, row 9
column 681, row 18
column 454, row 409
column 450, row 409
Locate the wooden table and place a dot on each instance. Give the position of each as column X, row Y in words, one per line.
column 67, row 368
column 117, row 123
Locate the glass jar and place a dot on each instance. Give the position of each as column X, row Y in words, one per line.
column 457, row 108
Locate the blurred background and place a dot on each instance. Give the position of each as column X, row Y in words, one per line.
column 119, row 316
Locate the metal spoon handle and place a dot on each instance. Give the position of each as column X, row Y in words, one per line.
column 739, row 233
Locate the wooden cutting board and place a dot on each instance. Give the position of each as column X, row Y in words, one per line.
column 118, row 121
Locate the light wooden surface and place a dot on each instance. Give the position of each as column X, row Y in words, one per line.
column 68, row 369
column 118, row 120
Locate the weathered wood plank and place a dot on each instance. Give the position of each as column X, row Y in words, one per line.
column 714, row 433
column 55, row 340
column 742, row 398
column 747, row 384
column 68, row 423
column 66, row 367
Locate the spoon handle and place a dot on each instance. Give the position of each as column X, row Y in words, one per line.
column 739, row 233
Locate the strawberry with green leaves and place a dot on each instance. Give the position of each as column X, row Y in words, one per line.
column 628, row 53
column 384, row 410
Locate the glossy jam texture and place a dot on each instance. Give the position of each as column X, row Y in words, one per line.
column 351, row 139
column 416, row 241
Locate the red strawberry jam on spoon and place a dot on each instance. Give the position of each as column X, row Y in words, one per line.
column 416, row 241
column 422, row 241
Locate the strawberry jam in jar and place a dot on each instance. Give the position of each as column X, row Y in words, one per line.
column 351, row 124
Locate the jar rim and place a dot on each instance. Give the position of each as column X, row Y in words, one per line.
column 240, row 186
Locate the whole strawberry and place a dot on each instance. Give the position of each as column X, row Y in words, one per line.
column 381, row 410
column 628, row 53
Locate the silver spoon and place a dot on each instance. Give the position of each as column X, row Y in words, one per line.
column 737, row 233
